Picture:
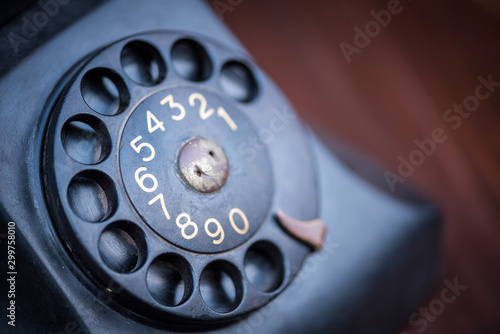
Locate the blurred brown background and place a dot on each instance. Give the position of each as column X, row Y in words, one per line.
column 394, row 91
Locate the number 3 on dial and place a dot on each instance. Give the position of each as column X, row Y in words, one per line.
column 170, row 100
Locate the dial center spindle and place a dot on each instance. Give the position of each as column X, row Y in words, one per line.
column 203, row 165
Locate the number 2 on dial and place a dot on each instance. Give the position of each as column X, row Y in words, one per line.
column 204, row 113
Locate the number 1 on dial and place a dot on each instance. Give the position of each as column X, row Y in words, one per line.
column 222, row 113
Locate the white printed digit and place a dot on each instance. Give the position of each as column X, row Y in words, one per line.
column 170, row 100
column 243, row 217
column 204, row 113
column 222, row 113
column 140, row 180
column 140, row 146
column 219, row 231
column 162, row 203
column 152, row 118
column 186, row 224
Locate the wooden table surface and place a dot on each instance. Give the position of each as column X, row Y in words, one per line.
column 396, row 89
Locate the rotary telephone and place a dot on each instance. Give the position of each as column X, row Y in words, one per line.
column 154, row 180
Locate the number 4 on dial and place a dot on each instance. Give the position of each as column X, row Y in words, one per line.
column 157, row 124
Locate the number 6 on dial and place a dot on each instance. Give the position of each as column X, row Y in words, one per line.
column 140, row 180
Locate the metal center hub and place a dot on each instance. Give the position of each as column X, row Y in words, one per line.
column 203, row 165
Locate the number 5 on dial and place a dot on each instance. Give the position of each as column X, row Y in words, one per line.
column 139, row 147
